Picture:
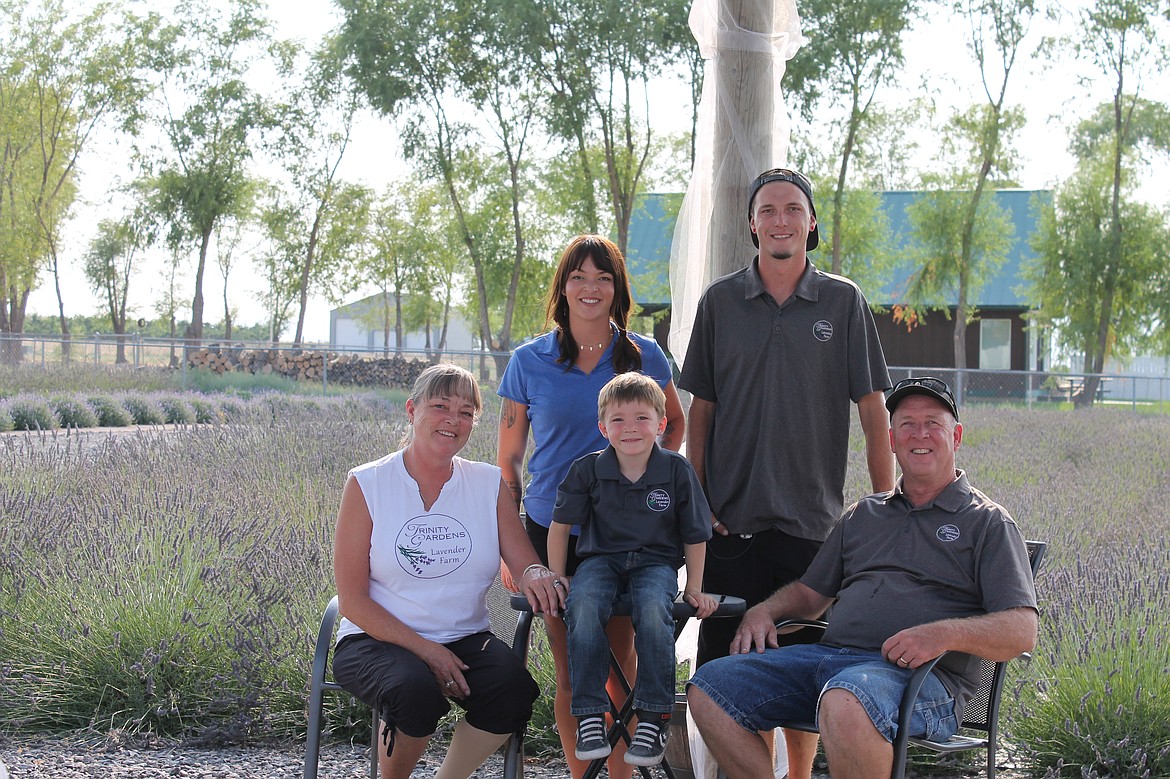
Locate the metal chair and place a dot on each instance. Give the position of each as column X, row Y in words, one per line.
column 981, row 714
column 320, row 681
column 729, row 606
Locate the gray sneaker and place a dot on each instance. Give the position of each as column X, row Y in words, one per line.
column 649, row 742
column 591, row 740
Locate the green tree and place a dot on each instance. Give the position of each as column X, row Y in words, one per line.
column 853, row 50
column 1121, row 39
column 978, row 144
column 954, row 253
column 1086, row 283
column 110, row 264
column 63, row 76
column 314, row 123
column 209, row 119
column 421, row 59
column 595, row 60
column 398, row 244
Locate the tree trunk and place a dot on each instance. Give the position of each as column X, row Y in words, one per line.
column 65, row 334
column 195, row 327
column 750, row 94
column 310, row 254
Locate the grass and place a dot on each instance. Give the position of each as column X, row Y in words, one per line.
column 172, row 582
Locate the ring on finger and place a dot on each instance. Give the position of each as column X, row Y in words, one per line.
column 449, row 682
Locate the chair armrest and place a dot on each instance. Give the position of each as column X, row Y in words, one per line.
column 906, row 711
column 728, row 606
column 792, row 625
column 324, row 642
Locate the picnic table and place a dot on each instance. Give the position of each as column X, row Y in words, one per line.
column 1069, row 388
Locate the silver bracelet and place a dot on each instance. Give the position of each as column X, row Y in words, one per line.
column 535, row 565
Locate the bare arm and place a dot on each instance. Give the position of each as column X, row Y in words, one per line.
column 997, row 637
column 537, row 584
column 511, row 446
column 676, row 423
column 558, row 547
column 696, row 556
column 879, row 455
column 757, row 629
column 699, row 422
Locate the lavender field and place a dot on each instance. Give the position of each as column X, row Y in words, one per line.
column 170, row 582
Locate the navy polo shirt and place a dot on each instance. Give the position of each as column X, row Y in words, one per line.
column 562, row 410
column 659, row 513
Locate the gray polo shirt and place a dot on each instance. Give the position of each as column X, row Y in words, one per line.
column 892, row 565
column 659, row 513
column 784, row 379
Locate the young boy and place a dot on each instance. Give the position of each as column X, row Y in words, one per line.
column 642, row 513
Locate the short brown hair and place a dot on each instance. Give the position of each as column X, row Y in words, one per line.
column 447, row 380
column 631, row 387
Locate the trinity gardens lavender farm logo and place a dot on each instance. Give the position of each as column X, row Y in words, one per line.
column 433, row 545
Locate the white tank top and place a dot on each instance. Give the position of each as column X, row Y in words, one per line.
column 432, row 569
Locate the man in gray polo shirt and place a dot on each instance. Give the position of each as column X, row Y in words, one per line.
column 931, row 566
column 779, row 354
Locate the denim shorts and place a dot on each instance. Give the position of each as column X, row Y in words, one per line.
column 761, row 691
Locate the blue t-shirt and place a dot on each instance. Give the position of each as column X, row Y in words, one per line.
column 562, row 410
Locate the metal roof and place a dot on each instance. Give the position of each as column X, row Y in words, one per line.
column 652, row 230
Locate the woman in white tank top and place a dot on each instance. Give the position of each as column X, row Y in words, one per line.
column 420, row 534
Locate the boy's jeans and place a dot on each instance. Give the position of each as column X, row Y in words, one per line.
column 652, row 582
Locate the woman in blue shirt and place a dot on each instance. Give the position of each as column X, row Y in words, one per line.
column 550, row 387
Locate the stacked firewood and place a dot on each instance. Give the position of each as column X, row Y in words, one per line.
column 354, row 369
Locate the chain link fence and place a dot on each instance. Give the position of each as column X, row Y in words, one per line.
column 1147, row 392
column 324, row 364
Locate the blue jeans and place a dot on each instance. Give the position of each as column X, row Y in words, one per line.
column 651, row 583
column 760, row 691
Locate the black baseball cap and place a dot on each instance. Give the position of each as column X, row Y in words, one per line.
column 922, row 385
column 794, row 177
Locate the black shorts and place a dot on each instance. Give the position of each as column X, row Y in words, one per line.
column 538, row 535
column 403, row 689
column 752, row 569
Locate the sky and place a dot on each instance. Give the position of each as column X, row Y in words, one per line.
column 938, row 65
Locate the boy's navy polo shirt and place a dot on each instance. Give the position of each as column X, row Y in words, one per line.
column 562, row 410
column 659, row 513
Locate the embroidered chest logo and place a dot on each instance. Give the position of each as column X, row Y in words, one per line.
column 658, row 500
column 947, row 533
column 823, row 330
column 432, row 545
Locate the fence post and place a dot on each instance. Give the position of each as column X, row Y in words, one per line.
column 325, row 372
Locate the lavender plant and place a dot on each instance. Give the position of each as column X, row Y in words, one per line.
column 176, row 410
column 73, row 413
column 110, row 412
column 143, row 410
column 30, row 413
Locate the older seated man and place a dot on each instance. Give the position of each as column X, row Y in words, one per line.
column 933, row 565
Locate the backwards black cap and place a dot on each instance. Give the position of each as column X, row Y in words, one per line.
column 794, row 177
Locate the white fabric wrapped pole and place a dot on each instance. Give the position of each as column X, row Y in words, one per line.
column 742, row 130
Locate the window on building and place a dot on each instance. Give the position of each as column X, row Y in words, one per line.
column 995, row 344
